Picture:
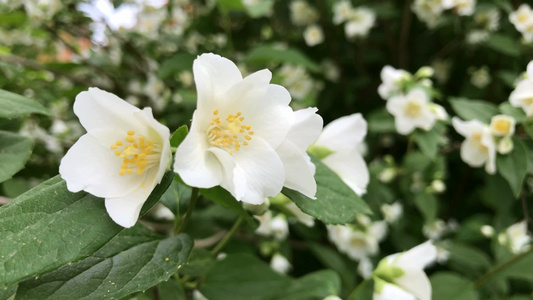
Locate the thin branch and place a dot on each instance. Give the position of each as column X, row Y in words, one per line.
column 483, row 279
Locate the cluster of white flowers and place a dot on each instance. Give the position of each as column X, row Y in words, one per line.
column 430, row 11
column 392, row 212
column 411, row 109
column 357, row 21
column 522, row 95
column 401, row 275
column 296, row 80
column 42, row 10
column 522, row 19
column 302, row 13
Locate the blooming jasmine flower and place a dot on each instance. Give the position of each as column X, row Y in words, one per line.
column 360, row 22
column 401, row 275
column 392, row 212
column 522, row 18
column 313, row 35
column 478, row 148
column 341, row 140
column 391, row 81
column 121, row 158
column 270, row 226
column 411, row 111
column 242, row 134
column 302, row 13
column 522, row 95
column 516, row 238
column 502, row 125
column 342, row 11
column 280, row 263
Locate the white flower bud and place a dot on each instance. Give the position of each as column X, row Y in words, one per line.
column 487, row 231
column 505, row 145
column 438, row 186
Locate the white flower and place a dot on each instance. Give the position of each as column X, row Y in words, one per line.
column 392, row 212
column 313, row 35
column 342, row 11
column 477, row 36
column 332, row 297
column 439, row 112
column 302, row 13
column 480, row 78
column 124, row 154
column 505, row 145
column 42, row 9
column 490, row 20
column 280, row 264
column 487, row 231
column 516, row 238
column 242, row 133
column 435, row 230
column 522, row 18
column 428, row 11
column 391, row 81
column 404, row 272
column 365, row 268
column 478, row 147
column 522, row 96
column 411, row 111
column 502, row 125
column 442, row 70
column 360, row 22
column 438, row 186
column 342, row 138
column 355, row 243
column 269, row 226
column 464, row 7
column 331, row 71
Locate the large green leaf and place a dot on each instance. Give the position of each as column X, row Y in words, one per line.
column 381, row 120
column 447, row 285
column 513, row 166
column 504, row 44
column 178, row 63
column 13, row 105
column 243, row 276
column 260, row 8
column 335, row 202
column 332, row 259
column 267, row 54
column 469, row 109
column 15, row 150
column 317, row 285
column 517, row 113
column 467, row 259
column 48, row 227
column 225, row 199
column 427, row 205
column 135, row 260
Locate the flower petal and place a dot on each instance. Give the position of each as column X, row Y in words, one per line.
column 392, row 292
column 404, row 125
column 100, row 110
column 234, row 179
column 396, row 105
column 418, row 257
column 305, row 129
column 90, row 167
column 299, row 170
column 417, row 283
column 263, row 170
column 467, row 128
column 472, row 154
column 351, row 168
column 343, row 134
column 213, row 76
column 196, row 166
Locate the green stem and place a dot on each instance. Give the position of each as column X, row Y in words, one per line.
column 410, row 143
column 188, row 213
column 483, row 279
column 358, row 289
column 228, row 236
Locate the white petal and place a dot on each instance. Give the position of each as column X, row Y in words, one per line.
column 530, row 70
column 351, row 168
column 472, row 154
column 125, row 210
column 467, row 128
column 418, row 95
column 305, row 129
column 195, row 165
column 234, row 179
column 100, row 110
column 418, row 257
column 404, row 125
column 298, row 171
column 396, row 105
column 263, row 170
column 343, row 133
column 90, row 167
column 417, row 283
column 213, row 76
column 392, row 292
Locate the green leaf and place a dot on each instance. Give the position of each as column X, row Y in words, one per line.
column 317, row 285
column 225, row 199
column 15, row 150
column 448, row 285
column 381, row 121
column 7, row 291
column 332, row 259
column 260, row 9
column 513, row 166
column 520, row 268
column 170, row 290
column 135, row 260
column 504, row 44
column 467, row 259
column 48, row 227
column 427, row 205
column 199, row 264
column 267, row 54
column 474, row 109
column 528, row 126
column 226, row 6
column 243, row 276
column 335, row 202
column 428, row 142
column 178, row 63
column 178, row 136
column 13, row 105
column 517, row 113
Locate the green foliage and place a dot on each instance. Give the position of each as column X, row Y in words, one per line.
column 335, row 202
column 55, row 226
column 504, row 45
column 469, row 109
column 134, row 260
column 15, row 150
column 448, row 285
column 226, row 200
column 13, row 105
column 268, row 54
column 511, row 166
column 317, row 285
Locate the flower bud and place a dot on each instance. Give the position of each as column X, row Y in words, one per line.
column 502, row 125
column 438, row 186
column 505, row 145
column 425, row 72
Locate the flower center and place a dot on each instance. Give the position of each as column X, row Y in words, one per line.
column 476, row 141
column 502, row 126
column 413, row 109
column 528, row 101
column 229, row 134
column 137, row 153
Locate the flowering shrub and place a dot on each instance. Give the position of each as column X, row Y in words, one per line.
column 246, row 149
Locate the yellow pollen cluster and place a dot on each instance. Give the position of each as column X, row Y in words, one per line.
column 134, row 153
column 229, row 134
column 412, row 109
column 502, row 126
column 476, row 141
